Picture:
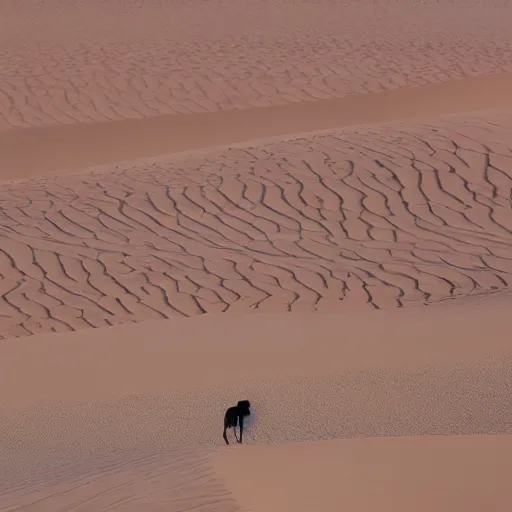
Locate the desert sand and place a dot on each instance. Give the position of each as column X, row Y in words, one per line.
column 306, row 204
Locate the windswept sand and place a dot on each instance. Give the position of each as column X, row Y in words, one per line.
column 75, row 61
column 303, row 203
column 155, row 136
column 378, row 217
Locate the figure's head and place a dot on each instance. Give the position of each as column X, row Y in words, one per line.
column 244, row 407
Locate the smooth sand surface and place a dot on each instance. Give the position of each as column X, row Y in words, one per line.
column 303, row 203
column 467, row 474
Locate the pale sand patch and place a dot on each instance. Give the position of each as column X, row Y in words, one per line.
column 58, row 149
column 445, row 474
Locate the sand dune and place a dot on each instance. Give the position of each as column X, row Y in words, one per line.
column 119, row 415
column 76, row 61
column 304, row 203
column 125, row 140
column 380, row 216
column 456, row 473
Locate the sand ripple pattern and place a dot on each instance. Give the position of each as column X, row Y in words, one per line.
column 143, row 59
column 148, row 482
column 383, row 217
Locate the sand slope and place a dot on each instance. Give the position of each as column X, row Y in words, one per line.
column 142, row 482
column 304, row 203
column 165, row 384
column 459, row 474
column 129, row 417
column 446, row 473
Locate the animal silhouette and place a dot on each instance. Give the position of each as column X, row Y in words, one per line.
column 235, row 416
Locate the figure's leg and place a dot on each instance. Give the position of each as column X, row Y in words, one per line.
column 241, row 428
column 225, row 436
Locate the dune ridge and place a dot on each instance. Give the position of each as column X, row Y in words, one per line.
column 370, row 470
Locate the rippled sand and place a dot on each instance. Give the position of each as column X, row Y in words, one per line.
column 376, row 217
column 307, row 204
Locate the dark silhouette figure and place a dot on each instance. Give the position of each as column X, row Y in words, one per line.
column 235, row 415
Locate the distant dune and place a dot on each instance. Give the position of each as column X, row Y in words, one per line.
column 307, row 204
column 77, row 61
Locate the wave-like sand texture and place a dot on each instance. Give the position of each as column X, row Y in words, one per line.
column 129, row 139
column 384, row 216
column 145, row 482
column 326, row 163
column 74, row 62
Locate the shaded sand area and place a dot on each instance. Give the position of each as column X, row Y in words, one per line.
column 303, row 203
